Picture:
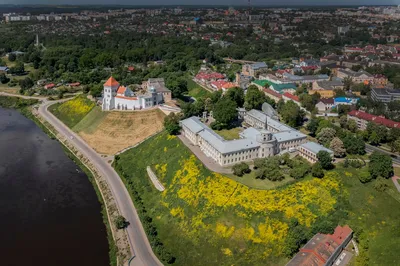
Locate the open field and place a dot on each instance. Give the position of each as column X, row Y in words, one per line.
column 6, row 88
column 373, row 216
column 205, row 218
column 196, row 90
column 73, row 111
column 397, row 171
column 230, row 134
column 111, row 132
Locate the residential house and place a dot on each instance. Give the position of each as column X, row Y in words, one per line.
column 276, row 96
column 357, row 77
column 326, row 88
column 362, row 119
column 290, row 97
column 4, row 70
column 385, row 95
column 309, row 151
column 345, row 101
column 325, row 104
column 254, row 69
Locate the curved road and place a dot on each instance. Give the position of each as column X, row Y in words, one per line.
column 140, row 245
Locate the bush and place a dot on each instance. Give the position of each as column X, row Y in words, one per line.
column 380, row 184
column 121, row 222
column 171, row 124
column 299, row 171
column 364, row 177
column 240, row 169
column 317, row 171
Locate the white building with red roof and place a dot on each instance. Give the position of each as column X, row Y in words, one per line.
column 120, row 97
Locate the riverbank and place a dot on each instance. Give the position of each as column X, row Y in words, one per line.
column 119, row 250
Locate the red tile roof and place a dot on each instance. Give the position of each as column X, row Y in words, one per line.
column 209, row 76
column 327, row 100
column 341, row 233
column 272, row 92
column 111, row 82
column 127, row 98
column 375, row 119
column 292, row 97
column 121, row 90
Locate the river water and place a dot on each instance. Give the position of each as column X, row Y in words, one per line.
column 49, row 211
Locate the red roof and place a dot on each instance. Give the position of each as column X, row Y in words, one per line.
column 111, row 82
column 219, row 84
column 74, row 84
column 49, row 86
column 121, row 90
column 341, row 233
column 131, row 68
column 291, row 97
column 127, row 98
column 375, row 119
column 272, row 92
column 209, row 76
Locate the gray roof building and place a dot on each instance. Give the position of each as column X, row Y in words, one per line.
column 315, row 147
column 385, row 95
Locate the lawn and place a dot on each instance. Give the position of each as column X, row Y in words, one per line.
column 250, row 181
column 111, row 132
column 230, row 134
column 374, row 216
column 73, row 111
column 205, row 218
column 397, row 171
column 196, row 90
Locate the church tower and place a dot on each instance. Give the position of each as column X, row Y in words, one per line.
column 109, row 92
column 267, row 141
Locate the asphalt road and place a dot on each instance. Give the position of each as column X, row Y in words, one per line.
column 395, row 158
column 140, row 246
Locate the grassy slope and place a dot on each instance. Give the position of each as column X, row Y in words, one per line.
column 196, row 202
column 197, row 91
column 73, row 111
column 90, row 122
column 250, row 181
column 377, row 214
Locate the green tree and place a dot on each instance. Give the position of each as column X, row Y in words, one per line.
column 26, row 83
column 312, row 126
column 240, row 169
column 326, row 135
column 317, row 170
column 18, row 69
column 337, row 147
column 121, row 222
column 237, row 95
column 171, row 123
column 354, row 144
column 225, row 112
column 4, row 79
column 380, row 165
column 254, row 98
column 12, row 57
column 325, row 160
column 299, row 171
column 364, row 177
column 291, row 114
column 352, row 125
column 374, row 138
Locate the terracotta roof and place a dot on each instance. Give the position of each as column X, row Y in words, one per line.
column 341, row 233
column 291, row 97
column 121, row 90
column 272, row 92
column 127, row 98
column 111, row 82
column 376, row 119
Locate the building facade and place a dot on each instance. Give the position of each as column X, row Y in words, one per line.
column 310, row 150
column 362, row 119
column 116, row 97
column 265, row 138
column 385, row 95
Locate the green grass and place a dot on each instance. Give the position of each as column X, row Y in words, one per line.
column 377, row 214
column 91, row 121
column 397, row 171
column 73, row 111
column 197, row 201
column 250, row 181
column 230, row 134
column 196, row 90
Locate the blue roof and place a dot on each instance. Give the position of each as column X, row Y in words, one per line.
column 345, row 99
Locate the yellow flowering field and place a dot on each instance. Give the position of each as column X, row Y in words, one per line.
column 72, row 111
column 205, row 218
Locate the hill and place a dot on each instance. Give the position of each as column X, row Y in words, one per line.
column 205, row 218
column 111, row 132
column 73, row 111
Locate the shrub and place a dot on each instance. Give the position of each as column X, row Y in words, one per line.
column 240, row 169
column 364, row 177
column 121, row 222
column 325, row 159
column 317, row 171
column 299, row 171
column 380, row 184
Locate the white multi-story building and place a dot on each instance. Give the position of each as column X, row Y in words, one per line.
column 122, row 98
column 266, row 138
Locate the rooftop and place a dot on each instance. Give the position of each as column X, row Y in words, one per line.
column 315, row 147
column 376, row 119
column 111, row 82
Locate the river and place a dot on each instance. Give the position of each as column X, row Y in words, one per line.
column 49, row 211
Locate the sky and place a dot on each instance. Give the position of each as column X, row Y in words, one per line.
column 204, row 2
